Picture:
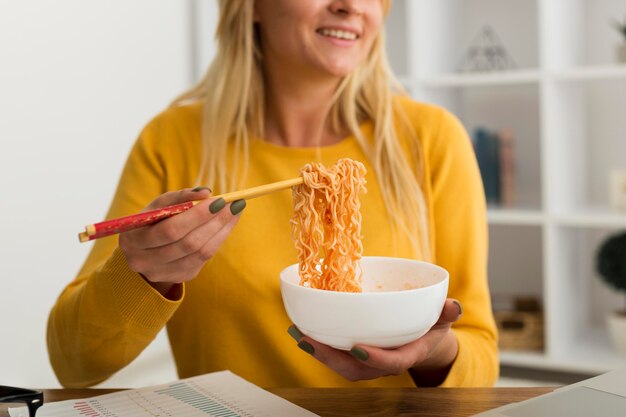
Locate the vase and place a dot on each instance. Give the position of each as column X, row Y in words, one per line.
column 616, row 323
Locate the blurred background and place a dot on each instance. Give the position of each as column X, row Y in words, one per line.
column 540, row 86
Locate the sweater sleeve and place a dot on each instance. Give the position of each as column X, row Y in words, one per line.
column 109, row 313
column 460, row 239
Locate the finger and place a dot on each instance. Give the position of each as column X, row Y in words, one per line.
column 212, row 232
column 451, row 311
column 338, row 360
column 295, row 333
column 427, row 347
column 187, row 267
column 398, row 360
column 141, row 238
column 180, row 196
column 174, row 228
column 392, row 361
column 312, row 347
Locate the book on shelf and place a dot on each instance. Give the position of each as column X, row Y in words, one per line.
column 495, row 154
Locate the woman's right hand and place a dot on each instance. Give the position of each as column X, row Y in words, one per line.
column 174, row 250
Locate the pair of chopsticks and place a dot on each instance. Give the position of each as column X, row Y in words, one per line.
column 135, row 221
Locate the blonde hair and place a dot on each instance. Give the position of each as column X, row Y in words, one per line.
column 234, row 111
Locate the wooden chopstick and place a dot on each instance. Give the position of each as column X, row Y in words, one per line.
column 135, row 221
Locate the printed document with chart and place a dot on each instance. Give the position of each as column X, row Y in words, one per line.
column 222, row 394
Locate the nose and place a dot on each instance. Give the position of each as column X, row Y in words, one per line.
column 346, row 7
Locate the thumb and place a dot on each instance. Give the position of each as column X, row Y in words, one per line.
column 451, row 311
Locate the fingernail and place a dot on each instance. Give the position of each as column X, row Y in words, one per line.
column 359, row 353
column 217, row 205
column 195, row 190
column 295, row 333
column 459, row 306
column 307, row 347
column 237, row 206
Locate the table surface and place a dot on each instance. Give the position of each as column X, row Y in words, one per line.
column 387, row 402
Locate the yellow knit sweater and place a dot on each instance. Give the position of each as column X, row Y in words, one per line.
column 231, row 315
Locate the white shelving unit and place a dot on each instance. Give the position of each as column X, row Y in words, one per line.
column 566, row 103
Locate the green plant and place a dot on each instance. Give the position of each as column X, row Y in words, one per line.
column 621, row 27
column 611, row 261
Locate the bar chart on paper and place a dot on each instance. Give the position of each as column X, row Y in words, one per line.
column 172, row 400
column 219, row 394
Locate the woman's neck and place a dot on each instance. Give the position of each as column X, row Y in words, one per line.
column 297, row 110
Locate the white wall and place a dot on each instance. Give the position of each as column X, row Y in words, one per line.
column 78, row 80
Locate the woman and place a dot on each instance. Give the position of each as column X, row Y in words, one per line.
column 292, row 82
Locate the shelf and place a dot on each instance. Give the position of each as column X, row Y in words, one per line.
column 562, row 101
column 572, row 364
column 591, row 217
column 508, row 216
column 590, row 73
column 592, row 355
column 513, row 77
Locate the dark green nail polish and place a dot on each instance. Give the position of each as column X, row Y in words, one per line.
column 359, row 353
column 217, row 205
column 307, row 347
column 195, row 190
column 237, row 206
column 459, row 306
column 295, row 333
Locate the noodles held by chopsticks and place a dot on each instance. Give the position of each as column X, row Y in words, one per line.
column 326, row 225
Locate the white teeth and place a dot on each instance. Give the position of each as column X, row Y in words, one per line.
column 339, row 34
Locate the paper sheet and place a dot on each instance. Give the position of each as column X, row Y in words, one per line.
column 222, row 394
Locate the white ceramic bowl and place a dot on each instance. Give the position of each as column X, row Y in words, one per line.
column 401, row 300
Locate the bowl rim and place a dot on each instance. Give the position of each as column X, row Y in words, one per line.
column 446, row 278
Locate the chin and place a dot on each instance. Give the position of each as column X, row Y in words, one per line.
column 341, row 70
column 341, row 73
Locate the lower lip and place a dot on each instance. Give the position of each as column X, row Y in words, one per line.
column 339, row 42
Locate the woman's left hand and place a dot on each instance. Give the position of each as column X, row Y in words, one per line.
column 432, row 354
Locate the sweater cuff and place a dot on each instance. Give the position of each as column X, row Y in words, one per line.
column 137, row 302
column 475, row 365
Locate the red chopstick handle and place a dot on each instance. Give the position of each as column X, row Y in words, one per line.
column 135, row 221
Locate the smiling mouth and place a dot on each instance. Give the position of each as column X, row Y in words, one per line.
column 338, row 34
